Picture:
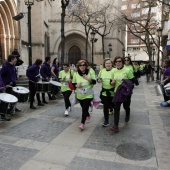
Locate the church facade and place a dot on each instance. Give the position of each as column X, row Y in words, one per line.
column 46, row 33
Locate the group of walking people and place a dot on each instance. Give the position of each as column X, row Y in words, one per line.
column 83, row 78
column 111, row 77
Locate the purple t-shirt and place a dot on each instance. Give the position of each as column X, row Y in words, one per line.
column 166, row 74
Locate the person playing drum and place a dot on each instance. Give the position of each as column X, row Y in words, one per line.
column 45, row 72
column 55, row 69
column 55, row 72
column 33, row 73
column 1, row 84
column 65, row 77
column 8, row 74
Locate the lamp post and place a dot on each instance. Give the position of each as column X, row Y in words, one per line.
column 153, row 56
column 123, row 51
column 110, row 49
column 159, row 30
column 64, row 4
column 93, row 40
column 29, row 3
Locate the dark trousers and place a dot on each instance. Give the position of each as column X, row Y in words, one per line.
column 32, row 88
column 43, row 94
column 126, row 106
column 107, row 102
column 85, row 108
column 66, row 96
column 166, row 98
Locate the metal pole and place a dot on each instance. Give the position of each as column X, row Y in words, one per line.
column 29, row 36
column 62, row 34
column 92, row 53
column 157, row 76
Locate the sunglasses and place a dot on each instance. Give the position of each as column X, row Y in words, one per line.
column 118, row 61
column 82, row 65
column 127, row 60
column 65, row 67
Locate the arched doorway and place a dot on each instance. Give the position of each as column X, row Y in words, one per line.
column 74, row 54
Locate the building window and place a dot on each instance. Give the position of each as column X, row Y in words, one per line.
column 135, row 14
column 123, row 7
column 134, row 6
column 134, row 41
column 136, row 49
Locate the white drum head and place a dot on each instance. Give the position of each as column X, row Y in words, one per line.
column 167, row 85
column 43, row 82
column 8, row 98
column 55, row 83
column 20, row 90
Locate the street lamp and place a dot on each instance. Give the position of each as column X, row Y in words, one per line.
column 159, row 30
column 29, row 3
column 93, row 40
column 123, row 51
column 64, row 4
column 153, row 55
column 110, row 49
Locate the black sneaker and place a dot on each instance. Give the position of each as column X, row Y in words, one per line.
column 45, row 102
column 40, row 104
column 105, row 124
column 32, row 107
column 127, row 118
column 17, row 110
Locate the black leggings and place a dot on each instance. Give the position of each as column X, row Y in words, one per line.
column 126, row 106
column 66, row 96
column 85, row 108
column 107, row 102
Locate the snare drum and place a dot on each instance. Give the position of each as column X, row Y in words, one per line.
column 7, row 104
column 21, row 93
column 43, row 86
column 55, row 87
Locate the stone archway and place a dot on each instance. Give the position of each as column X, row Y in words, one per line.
column 9, row 34
column 74, row 54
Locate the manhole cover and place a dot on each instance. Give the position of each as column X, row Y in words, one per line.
column 133, row 151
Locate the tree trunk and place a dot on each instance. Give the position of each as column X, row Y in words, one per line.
column 62, row 34
column 103, row 47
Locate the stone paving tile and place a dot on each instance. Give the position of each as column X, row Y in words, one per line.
column 59, row 112
column 42, row 130
column 138, row 117
column 103, row 140
column 14, row 157
column 91, row 164
column 165, row 119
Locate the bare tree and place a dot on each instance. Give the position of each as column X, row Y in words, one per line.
column 144, row 27
column 94, row 15
column 80, row 12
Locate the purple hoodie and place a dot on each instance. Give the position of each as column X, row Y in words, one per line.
column 33, row 73
column 8, row 73
column 1, row 83
column 45, row 70
column 166, row 74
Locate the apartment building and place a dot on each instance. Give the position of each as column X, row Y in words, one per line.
column 141, row 12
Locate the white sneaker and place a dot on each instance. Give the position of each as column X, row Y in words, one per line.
column 66, row 113
column 69, row 109
column 91, row 108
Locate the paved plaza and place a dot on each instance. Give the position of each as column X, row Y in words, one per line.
column 44, row 139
